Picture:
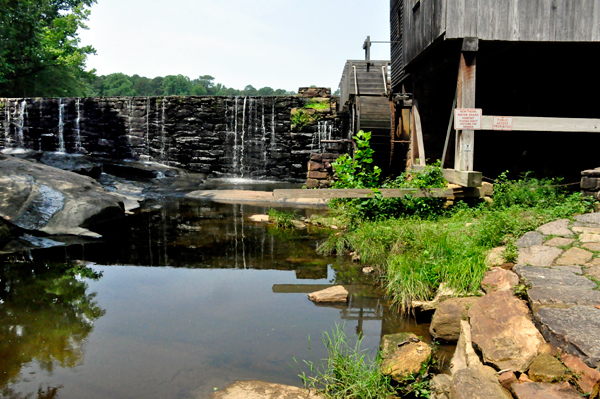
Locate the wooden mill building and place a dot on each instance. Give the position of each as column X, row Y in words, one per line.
column 533, row 61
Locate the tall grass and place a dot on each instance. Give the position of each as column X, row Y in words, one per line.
column 347, row 372
column 415, row 255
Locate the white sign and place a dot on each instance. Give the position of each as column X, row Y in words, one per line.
column 502, row 123
column 467, row 119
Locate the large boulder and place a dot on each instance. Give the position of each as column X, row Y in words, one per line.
column 538, row 255
column 39, row 197
column 447, row 317
column 478, row 382
column 403, row 354
column 502, row 329
column 499, row 279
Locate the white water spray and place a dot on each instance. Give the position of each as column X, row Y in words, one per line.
column 61, row 127
column 21, row 124
column 78, row 145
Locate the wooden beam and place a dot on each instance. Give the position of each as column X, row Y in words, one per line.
column 465, row 98
column 462, row 178
column 534, row 124
column 419, row 133
column 363, row 193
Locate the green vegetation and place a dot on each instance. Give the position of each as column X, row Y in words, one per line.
column 348, row 373
column 39, row 48
column 419, row 243
column 283, row 220
column 308, row 114
column 119, row 84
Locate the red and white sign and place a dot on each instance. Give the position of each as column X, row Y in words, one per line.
column 467, row 119
column 502, row 123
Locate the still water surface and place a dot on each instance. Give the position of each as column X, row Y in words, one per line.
column 182, row 298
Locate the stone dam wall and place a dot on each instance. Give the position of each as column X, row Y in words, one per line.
column 244, row 137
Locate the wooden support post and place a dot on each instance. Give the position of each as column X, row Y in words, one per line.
column 419, row 134
column 465, row 98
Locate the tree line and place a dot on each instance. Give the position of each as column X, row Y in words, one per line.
column 120, row 84
column 41, row 56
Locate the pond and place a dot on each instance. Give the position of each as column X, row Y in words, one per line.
column 182, row 298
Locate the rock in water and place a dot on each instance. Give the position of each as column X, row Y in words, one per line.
column 446, row 319
column 503, row 331
column 331, row 294
column 403, row 354
column 39, row 197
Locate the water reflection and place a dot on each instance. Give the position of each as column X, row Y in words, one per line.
column 46, row 315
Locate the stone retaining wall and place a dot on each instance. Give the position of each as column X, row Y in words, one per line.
column 320, row 172
column 247, row 137
column 590, row 182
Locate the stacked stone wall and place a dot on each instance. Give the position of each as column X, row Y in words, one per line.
column 590, row 182
column 249, row 137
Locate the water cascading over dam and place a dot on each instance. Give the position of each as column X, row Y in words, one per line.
column 244, row 137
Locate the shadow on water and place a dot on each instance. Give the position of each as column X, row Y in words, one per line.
column 193, row 296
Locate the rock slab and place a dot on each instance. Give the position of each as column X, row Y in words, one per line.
column 38, row 197
column 499, row 279
column 502, row 330
column 588, row 377
column 479, row 382
column 538, row 255
column 575, row 330
column 332, row 294
column 530, row 239
column 574, row 256
column 539, row 390
column 557, row 228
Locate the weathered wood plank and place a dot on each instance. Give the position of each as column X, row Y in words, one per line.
column 595, row 21
column 462, row 178
column 465, row 98
column 419, row 133
column 534, row 124
column 363, row 193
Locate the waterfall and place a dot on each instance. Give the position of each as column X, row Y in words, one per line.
column 148, row 125
column 78, row 145
column 7, row 126
column 162, row 135
column 235, row 138
column 242, row 138
column 264, row 136
column 21, row 124
column 129, row 117
column 273, row 126
column 61, row 127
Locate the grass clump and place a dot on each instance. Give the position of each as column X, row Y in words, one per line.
column 318, row 104
column 347, row 372
column 284, row 220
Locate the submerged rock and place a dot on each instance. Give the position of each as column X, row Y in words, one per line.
column 38, row 197
column 403, row 354
column 264, row 390
column 331, row 294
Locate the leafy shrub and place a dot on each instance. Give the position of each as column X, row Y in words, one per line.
column 283, row 220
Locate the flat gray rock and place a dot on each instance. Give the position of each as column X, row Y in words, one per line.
column 557, row 287
column 538, row 255
column 552, row 277
column 556, row 228
column 591, row 219
column 575, row 330
column 530, row 239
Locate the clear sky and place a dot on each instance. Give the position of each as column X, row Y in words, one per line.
column 278, row 43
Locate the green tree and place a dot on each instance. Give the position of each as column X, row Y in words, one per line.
column 39, row 48
column 266, row 91
column 250, row 91
column 176, row 85
column 118, row 84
